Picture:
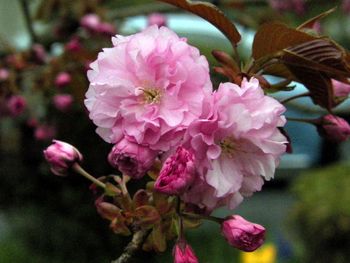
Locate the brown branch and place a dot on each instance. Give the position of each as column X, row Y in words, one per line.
column 28, row 20
column 135, row 244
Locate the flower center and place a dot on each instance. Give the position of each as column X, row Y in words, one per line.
column 228, row 146
column 151, row 95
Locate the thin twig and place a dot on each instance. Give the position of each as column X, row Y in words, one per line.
column 135, row 244
column 306, row 94
column 28, row 20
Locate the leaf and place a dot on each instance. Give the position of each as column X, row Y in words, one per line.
column 212, row 14
column 311, row 22
column 146, row 215
column 273, row 37
column 140, row 198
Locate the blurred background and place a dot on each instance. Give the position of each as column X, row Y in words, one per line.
column 45, row 49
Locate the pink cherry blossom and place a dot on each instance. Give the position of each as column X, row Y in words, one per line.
column 177, row 173
column 149, row 86
column 61, row 156
column 243, row 234
column 131, row 158
column 183, row 253
column 90, row 22
column 340, row 89
column 4, row 74
column 236, row 144
column 44, row 132
column 16, row 104
column 63, row 102
column 333, row 128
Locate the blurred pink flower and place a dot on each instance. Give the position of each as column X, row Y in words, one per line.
column 177, row 173
column 346, row 6
column 16, row 104
column 236, row 144
column 61, row 156
column 150, row 86
column 341, row 89
column 63, row 102
column 44, row 132
column 243, row 234
column 73, row 45
column 90, row 22
column 183, row 253
column 4, row 74
column 39, row 53
column 63, row 79
column 333, row 128
column 131, row 158
column 156, row 19
column 106, row 29
column 297, row 6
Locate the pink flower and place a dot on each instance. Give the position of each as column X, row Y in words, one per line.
column 150, row 86
column 177, row 173
column 346, row 6
column 333, row 128
column 39, row 53
column 341, row 89
column 44, row 132
column 131, row 158
column 243, row 234
column 63, row 102
column 16, row 104
column 106, row 29
column 61, row 156
column 156, row 19
column 297, row 6
column 73, row 45
column 183, row 253
column 236, row 144
column 63, row 79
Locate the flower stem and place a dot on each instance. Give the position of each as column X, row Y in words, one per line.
column 135, row 244
column 196, row 216
column 28, row 20
column 81, row 171
column 306, row 94
column 309, row 121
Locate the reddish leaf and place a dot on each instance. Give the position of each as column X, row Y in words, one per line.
column 212, row 14
column 146, row 215
column 140, row 198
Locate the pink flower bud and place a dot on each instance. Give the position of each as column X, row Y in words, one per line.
column 106, row 29
column 73, row 45
column 156, row 19
column 177, row 173
column 63, row 102
column 90, row 22
column 44, row 132
column 183, row 253
column 334, row 128
column 131, row 158
column 340, row 89
column 4, row 74
column 61, row 156
column 16, row 105
column 243, row 234
column 63, row 79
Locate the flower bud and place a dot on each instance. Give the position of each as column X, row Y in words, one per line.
column 243, row 234
column 90, row 22
column 340, row 89
column 156, row 19
column 44, row 132
column 334, row 128
column 63, row 102
column 131, row 158
column 177, row 173
column 16, row 105
column 74, row 45
column 63, row 79
column 183, row 253
column 106, row 29
column 61, row 156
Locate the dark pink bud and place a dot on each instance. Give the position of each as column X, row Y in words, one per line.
column 183, row 253
column 131, row 158
column 16, row 105
column 63, row 79
column 61, row 156
column 63, row 102
column 39, row 53
column 177, row 173
column 73, row 45
column 333, row 128
column 243, row 234
column 341, row 89
column 44, row 132
column 156, row 19
column 106, row 29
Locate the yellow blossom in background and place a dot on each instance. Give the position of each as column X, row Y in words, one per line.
column 265, row 254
